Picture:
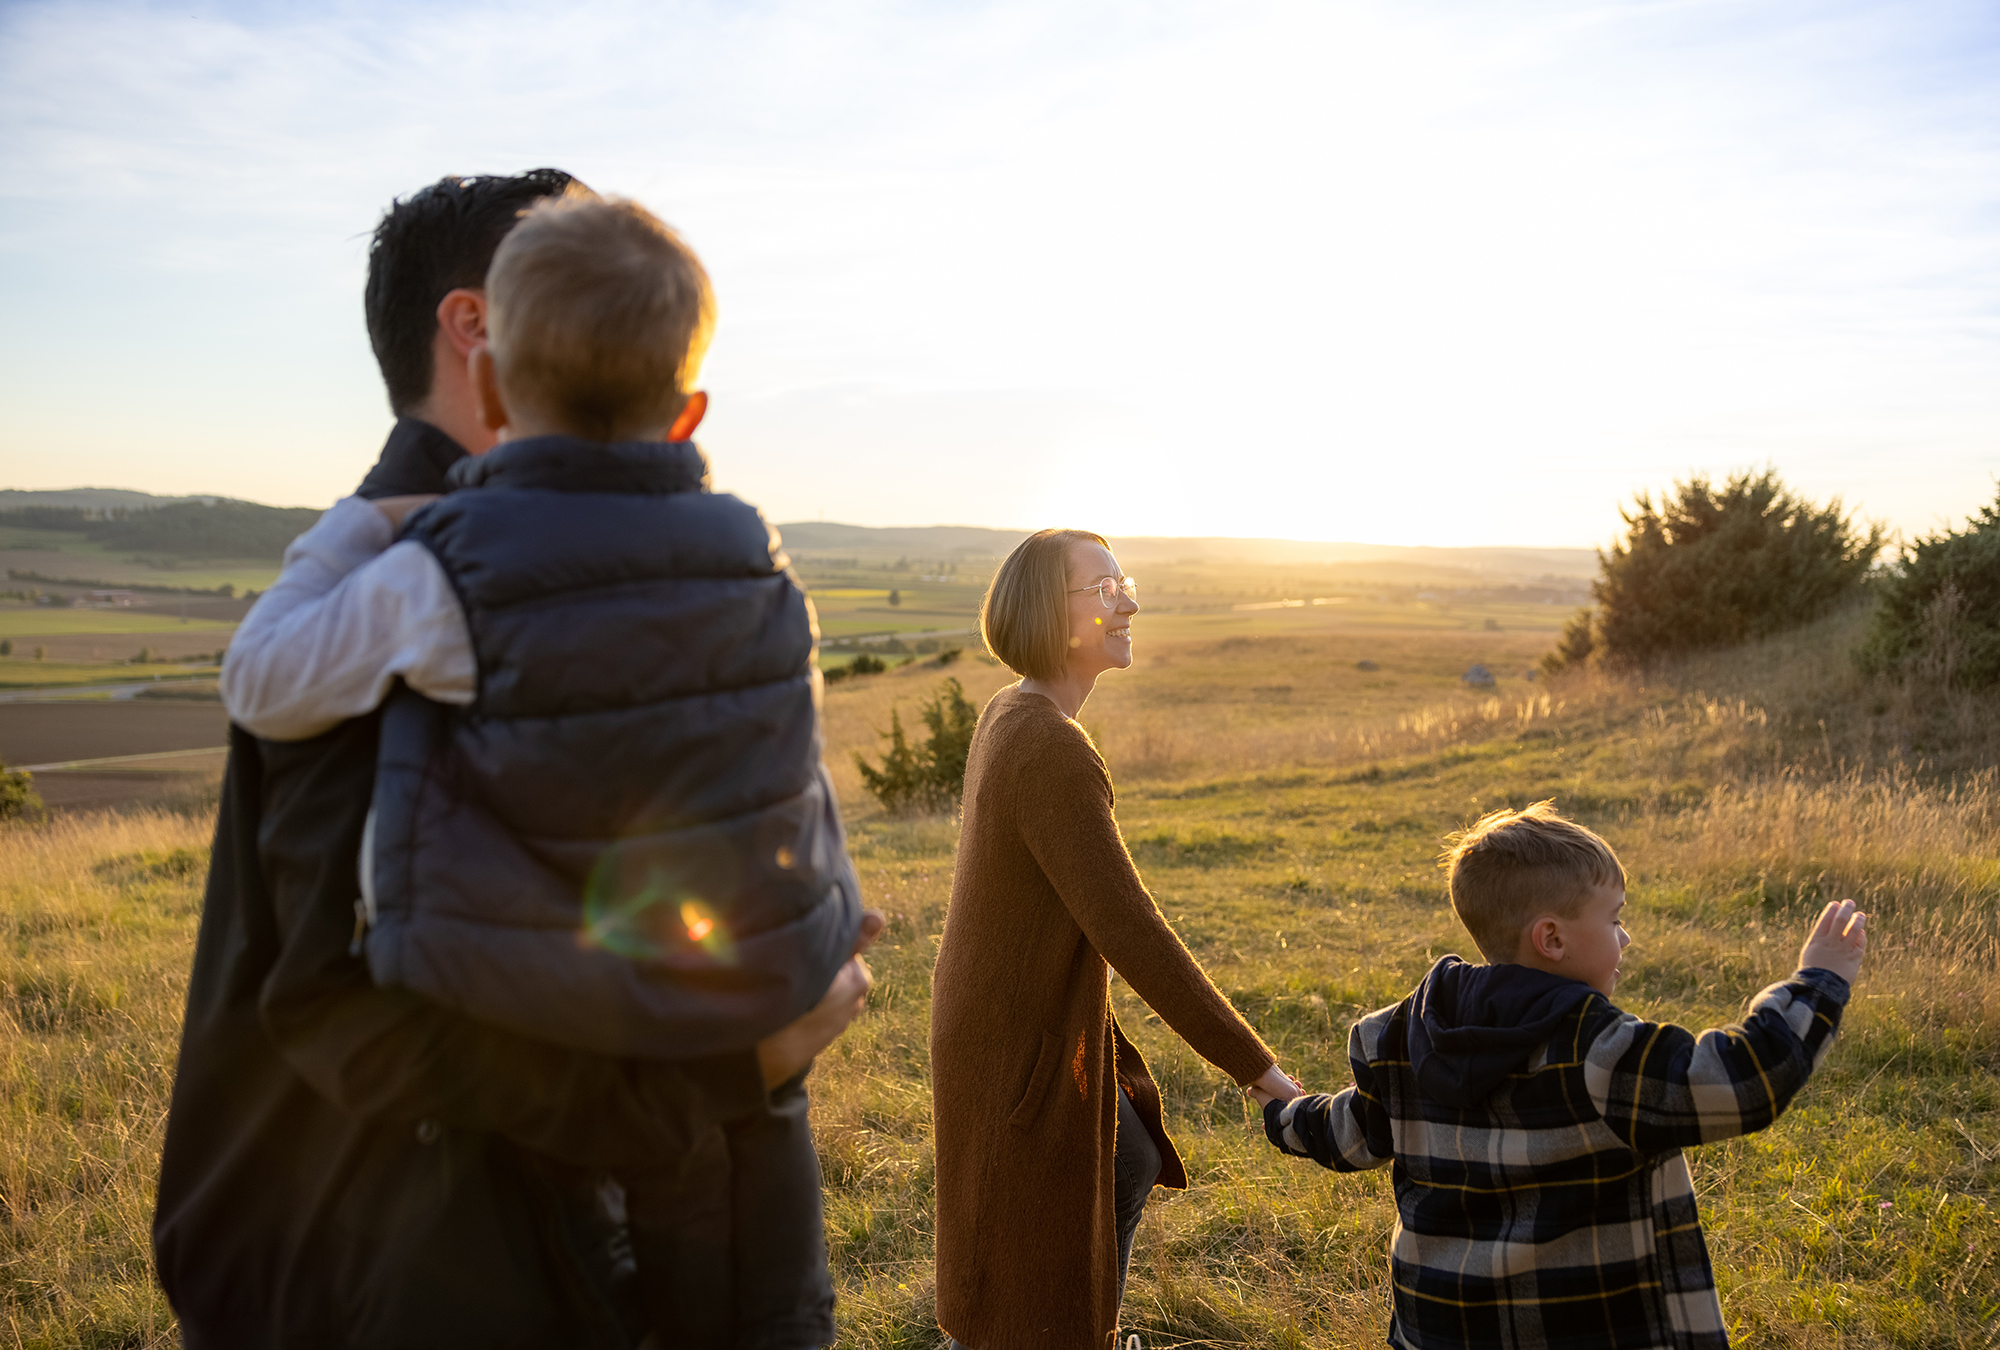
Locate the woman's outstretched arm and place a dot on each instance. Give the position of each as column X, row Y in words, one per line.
column 1065, row 802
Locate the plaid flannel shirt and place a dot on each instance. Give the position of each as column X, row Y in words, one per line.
column 1560, row 1212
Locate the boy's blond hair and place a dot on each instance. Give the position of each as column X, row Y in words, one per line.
column 598, row 316
column 1514, row 865
column 1025, row 616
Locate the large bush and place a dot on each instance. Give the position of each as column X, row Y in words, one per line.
column 1940, row 607
column 1711, row 567
column 931, row 776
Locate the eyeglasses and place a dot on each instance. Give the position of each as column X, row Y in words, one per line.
column 1107, row 590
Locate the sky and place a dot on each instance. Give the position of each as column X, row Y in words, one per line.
column 1415, row 272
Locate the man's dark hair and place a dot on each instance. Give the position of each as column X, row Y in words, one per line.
column 429, row 244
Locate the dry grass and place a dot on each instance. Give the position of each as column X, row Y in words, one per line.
column 96, row 924
column 1290, row 836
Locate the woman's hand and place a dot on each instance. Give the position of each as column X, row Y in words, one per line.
column 1275, row 1086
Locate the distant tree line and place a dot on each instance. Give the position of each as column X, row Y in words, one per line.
column 189, row 530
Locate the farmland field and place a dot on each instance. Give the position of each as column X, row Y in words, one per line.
column 25, row 621
column 1285, row 804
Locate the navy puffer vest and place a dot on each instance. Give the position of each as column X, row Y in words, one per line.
column 627, row 843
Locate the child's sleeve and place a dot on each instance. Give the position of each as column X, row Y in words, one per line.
column 1347, row 1132
column 1662, row 1087
column 351, row 611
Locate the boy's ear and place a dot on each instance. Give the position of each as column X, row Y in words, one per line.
column 1545, row 938
column 486, row 387
column 692, row 412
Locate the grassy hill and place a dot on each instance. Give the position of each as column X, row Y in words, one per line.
column 1285, row 807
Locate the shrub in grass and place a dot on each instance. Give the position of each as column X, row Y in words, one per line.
column 18, row 798
column 1940, row 607
column 865, row 664
column 6, row 647
column 1713, row 567
column 931, row 776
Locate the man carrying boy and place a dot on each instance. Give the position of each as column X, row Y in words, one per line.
column 351, row 1165
column 602, row 816
column 1536, row 1130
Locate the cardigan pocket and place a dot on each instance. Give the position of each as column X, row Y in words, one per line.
column 1046, row 1064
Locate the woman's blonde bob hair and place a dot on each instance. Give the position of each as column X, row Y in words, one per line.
column 1025, row 616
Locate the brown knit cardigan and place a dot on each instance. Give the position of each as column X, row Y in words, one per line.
column 1026, row 1058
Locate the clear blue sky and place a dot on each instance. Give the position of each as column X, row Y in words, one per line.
column 1400, row 272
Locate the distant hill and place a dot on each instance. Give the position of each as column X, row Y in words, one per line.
column 181, row 528
column 223, row 527
column 945, row 541
column 88, row 499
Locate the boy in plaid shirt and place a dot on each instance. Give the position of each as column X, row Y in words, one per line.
column 1536, row 1130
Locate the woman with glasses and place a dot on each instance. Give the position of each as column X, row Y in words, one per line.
column 1047, row 1123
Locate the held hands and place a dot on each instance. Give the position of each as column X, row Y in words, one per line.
column 1838, row 941
column 1275, row 1086
column 786, row 1051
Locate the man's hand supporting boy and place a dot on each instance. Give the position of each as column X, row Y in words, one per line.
column 786, row 1052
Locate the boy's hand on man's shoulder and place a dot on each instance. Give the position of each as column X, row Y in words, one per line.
column 1838, row 941
column 399, row 509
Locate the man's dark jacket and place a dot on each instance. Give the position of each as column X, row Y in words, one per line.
column 628, row 842
column 351, row 1166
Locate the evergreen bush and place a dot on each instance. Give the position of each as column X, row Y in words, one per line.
column 1939, row 610
column 931, row 776
column 1712, row 567
column 18, row 798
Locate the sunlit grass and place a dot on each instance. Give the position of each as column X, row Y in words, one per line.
column 1291, row 840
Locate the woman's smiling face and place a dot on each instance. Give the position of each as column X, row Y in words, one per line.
column 1100, row 639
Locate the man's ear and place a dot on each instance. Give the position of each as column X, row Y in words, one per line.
column 461, row 317
column 692, row 412
column 486, row 387
column 1545, row 938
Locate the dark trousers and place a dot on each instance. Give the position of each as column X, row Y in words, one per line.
column 1135, row 1165
column 731, row 1249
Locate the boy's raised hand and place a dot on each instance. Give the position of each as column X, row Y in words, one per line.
column 1838, row 941
column 789, row 1049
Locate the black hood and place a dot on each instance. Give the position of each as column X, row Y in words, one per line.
column 1471, row 1026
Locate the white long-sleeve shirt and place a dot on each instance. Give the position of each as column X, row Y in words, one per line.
column 350, row 612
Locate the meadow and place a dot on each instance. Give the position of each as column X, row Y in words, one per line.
column 1285, row 805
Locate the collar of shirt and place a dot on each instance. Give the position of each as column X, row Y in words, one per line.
column 414, row 459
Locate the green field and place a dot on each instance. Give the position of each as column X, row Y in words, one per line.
column 68, row 555
column 1285, row 806
column 1212, row 596
column 18, row 621
column 16, row 673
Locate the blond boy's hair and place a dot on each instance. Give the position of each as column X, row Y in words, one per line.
column 1514, row 865
column 598, row 316
column 1025, row 616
